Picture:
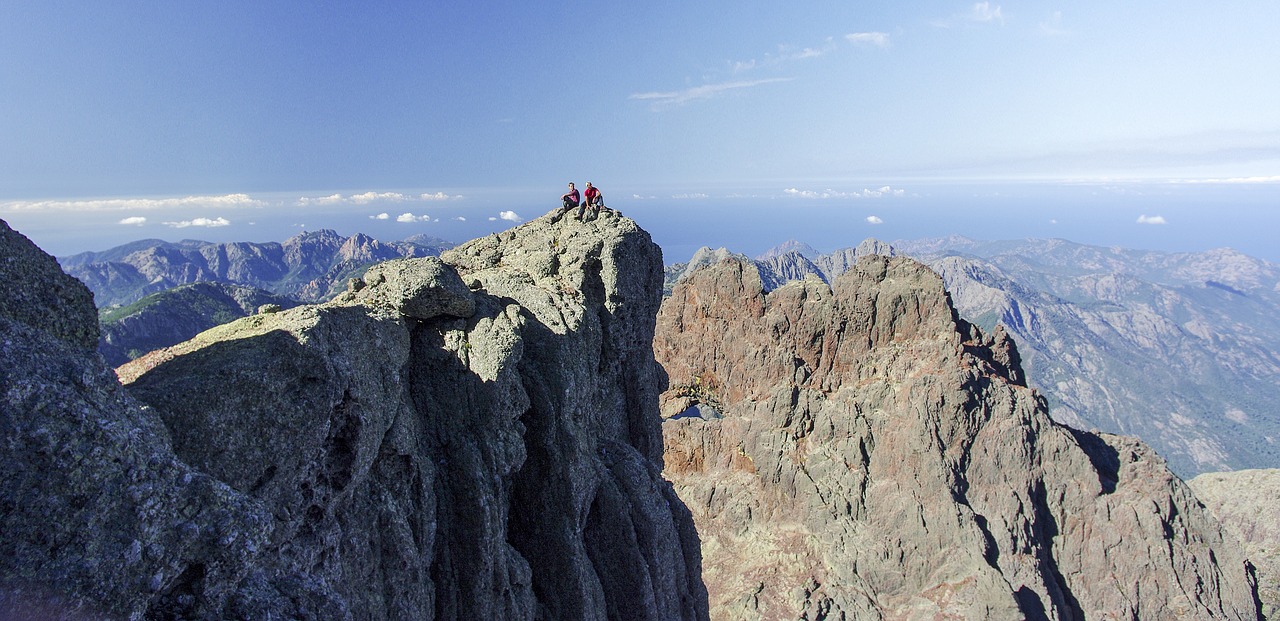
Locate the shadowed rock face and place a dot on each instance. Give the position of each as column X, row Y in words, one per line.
column 97, row 514
column 880, row 458
column 470, row 438
column 38, row 294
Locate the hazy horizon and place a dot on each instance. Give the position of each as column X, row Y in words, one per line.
column 1138, row 124
column 1164, row 217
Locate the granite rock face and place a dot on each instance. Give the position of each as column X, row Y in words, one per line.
column 876, row 457
column 1178, row 349
column 472, row 438
column 38, row 294
column 99, row 518
column 1245, row 502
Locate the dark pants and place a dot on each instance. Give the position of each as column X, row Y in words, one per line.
column 593, row 204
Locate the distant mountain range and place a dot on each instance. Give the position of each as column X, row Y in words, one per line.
column 309, row 267
column 154, row 294
column 1179, row 349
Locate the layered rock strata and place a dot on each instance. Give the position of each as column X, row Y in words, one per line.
column 470, row 438
column 877, row 457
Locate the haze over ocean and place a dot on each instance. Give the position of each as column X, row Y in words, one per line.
column 1168, row 217
column 1141, row 124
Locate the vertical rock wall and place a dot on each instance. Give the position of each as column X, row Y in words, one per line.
column 473, row 438
column 877, row 457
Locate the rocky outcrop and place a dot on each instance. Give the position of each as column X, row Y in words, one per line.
column 1176, row 348
column 311, row 267
column 476, row 437
column 878, row 457
column 39, row 295
column 1245, row 502
column 790, row 246
column 175, row 315
column 703, row 257
column 98, row 515
column 838, row 261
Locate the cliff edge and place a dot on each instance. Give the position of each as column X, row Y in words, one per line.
column 858, row 451
column 472, row 437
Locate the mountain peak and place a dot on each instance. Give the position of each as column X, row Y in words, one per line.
column 895, row 455
column 791, row 245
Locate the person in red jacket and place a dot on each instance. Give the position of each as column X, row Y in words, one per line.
column 594, row 201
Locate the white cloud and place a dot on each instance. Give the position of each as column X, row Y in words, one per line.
column 1234, row 180
column 134, row 220
column 369, row 197
column 366, row 198
column 984, row 12
column 460, row 218
column 382, row 216
column 883, row 191
column 493, row 218
column 809, row 52
column 981, row 12
column 1053, row 26
column 878, row 39
column 1145, row 219
column 510, row 215
column 874, row 220
column 131, row 204
column 690, row 196
column 331, row 199
column 438, row 196
column 408, row 217
column 803, row 193
column 707, row 91
column 785, row 54
column 204, row 222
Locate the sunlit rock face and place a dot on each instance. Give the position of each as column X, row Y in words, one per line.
column 875, row 456
column 1245, row 502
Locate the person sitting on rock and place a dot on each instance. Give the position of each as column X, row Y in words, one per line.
column 594, row 201
column 571, row 198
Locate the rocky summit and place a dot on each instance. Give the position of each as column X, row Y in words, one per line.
column 475, row 437
column 858, row 451
column 481, row 436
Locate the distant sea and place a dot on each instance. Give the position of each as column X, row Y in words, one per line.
column 1176, row 217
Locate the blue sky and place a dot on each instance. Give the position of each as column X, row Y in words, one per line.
column 252, row 120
